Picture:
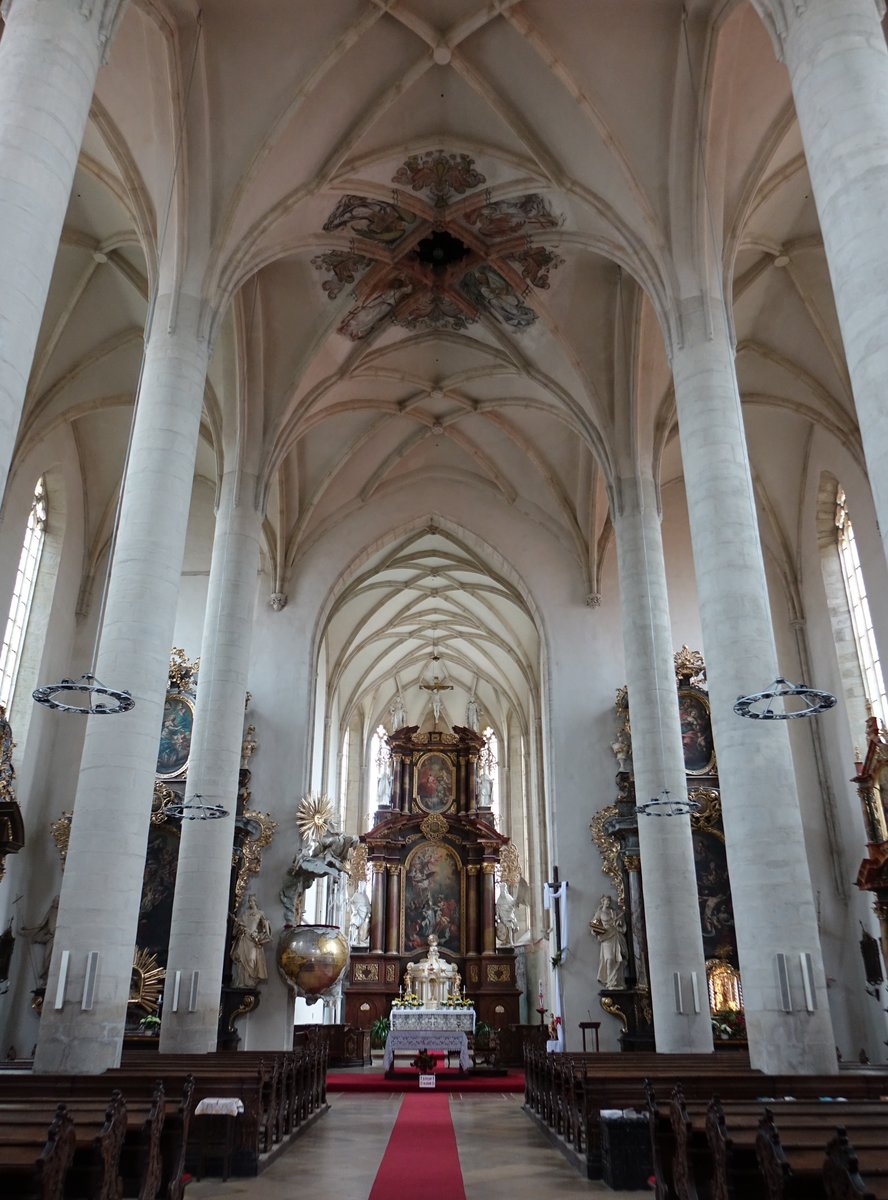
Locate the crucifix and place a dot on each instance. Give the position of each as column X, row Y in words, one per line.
column 436, row 688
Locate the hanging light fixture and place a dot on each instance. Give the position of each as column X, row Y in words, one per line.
column 195, row 810
column 118, row 700
column 813, row 701
column 664, row 806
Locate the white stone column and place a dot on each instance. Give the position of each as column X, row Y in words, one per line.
column 770, row 882
column 102, row 883
column 49, row 58
column 838, row 65
column 203, row 878
column 674, row 936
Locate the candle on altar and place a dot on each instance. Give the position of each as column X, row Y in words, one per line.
column 541, row 1005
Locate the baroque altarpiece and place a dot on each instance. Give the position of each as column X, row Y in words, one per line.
column 434, row 855
column 615, row 833
column 253, row 832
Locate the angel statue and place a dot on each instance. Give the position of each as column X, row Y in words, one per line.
column 506, row 917
column 324, row 853
column 609, row 926
column 359, row 917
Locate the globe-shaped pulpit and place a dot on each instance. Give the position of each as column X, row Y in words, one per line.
column 312, row 958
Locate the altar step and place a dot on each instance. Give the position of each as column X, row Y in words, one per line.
column 408, row 1081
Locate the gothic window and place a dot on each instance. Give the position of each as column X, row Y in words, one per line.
column 861, row 619
column 23, row 593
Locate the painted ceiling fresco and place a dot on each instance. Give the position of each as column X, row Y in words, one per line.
column 434, row 261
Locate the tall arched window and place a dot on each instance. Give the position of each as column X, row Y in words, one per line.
column 23, row 593
column 861, row 619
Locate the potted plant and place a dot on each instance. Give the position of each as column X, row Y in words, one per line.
column 150, row 1025
column 424, row 1062
column 379, row 1031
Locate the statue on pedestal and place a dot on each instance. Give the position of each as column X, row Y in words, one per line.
column 473, row 714
column 609, row 926
column 359, row 917
column 44, row 935
column 398, row 713
column 252, row 933
column 506, row 917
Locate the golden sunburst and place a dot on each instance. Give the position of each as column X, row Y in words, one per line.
column 314, row 816
column 147, row 981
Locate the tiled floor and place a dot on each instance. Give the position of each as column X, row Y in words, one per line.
column 502, row 1155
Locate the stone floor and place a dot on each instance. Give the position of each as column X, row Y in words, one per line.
column 502, row 1155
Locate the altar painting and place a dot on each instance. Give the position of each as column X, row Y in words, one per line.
column 175, row 736
column 714, row 894
column 434, row 782
column 158, row 888
column 432, row 899
column 696, row 733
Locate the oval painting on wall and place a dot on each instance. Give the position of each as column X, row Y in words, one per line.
column 175, row 736
column 696, row 733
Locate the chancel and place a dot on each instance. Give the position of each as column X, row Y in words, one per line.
column 444, row 588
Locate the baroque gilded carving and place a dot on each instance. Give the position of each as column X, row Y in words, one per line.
column 611, row 1007
column 183, row 674
column 251, row 851
column 434, row 827
column 609, row 849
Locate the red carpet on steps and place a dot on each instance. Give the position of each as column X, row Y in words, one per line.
column 421, row 1158
column 445, row 1081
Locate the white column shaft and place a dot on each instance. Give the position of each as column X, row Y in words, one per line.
column 674, row 937
column 101, row 888
column 770, row 882
column 838, row 64
column 49, row 59
column 203, row 879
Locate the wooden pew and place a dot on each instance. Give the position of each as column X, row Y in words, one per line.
column 37, row 1167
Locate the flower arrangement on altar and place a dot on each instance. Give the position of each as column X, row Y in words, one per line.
column 407, row 1000
column 424, row 1062
column 554, row 1027
column 729, row 1025
column 455, row 1000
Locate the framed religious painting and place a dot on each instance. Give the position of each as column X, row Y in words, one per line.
column 175, row 736
column 696, row 732
column 435, row 776
column 433, row 899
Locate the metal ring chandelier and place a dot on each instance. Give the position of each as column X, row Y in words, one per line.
column 815, row 701
column 118, row 701
column 663, row 806
column 195, row 810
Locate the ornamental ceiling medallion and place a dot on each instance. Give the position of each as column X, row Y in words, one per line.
column 436, row 269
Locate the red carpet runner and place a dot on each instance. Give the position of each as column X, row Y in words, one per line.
column 421, row 1157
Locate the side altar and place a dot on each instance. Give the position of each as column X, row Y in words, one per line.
column 434, row 855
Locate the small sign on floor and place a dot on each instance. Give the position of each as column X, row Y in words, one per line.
column 427, row 1081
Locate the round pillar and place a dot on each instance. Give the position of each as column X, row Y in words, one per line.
column 488, row 907
column 100, row 896
column 675, row 944
column 774, row 909
column 393, row 908
column 377, row 908
column 472, row 923
column 49, row 58
column 203, row 878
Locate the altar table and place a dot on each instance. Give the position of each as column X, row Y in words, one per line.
column 430, row 1038
column 434, row 1018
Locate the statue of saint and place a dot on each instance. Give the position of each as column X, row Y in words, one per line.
column 252, row 932
column 484, row 790
column 398, row 713
column 609, row 926
column 384, row 784
column 359, row 917
column 44, row 935
column 473, row 714
column 506, row 917
column 326, row 858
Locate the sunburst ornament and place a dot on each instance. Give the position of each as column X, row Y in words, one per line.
column 314, row 816
column 147, row 981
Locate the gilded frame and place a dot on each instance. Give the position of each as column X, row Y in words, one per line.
column 461, row 877
column 176, row 756
column 699, row 757
column 445, row 797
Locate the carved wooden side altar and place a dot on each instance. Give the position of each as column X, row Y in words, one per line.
column 872, row 788
column 433, row 854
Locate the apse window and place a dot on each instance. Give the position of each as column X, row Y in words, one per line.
column 861, row 619
column 23, row 593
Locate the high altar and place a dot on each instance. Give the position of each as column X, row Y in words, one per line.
column 434, row 852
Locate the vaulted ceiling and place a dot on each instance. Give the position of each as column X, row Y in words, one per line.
column 440, row 239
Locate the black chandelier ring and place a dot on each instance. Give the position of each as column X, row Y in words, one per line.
column 102, row 700
column 195, row 810
column 814, row 701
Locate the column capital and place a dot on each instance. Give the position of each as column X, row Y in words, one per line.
column 779, row 16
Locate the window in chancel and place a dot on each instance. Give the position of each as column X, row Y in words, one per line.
column 23, row 593
column 859, row 609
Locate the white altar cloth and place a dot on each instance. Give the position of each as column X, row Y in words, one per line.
column 434, row 1018
column 427, row 1038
